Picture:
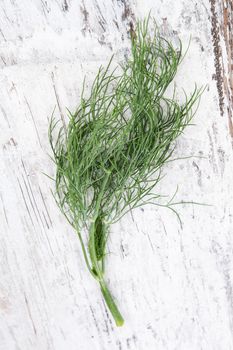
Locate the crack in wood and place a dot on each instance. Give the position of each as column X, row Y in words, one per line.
column 127, row 12
column 58, row 101
column 226, row 30
column 46, row 209
column 217, row 54
column 30, row 314
column 223, row 75
column 65, row 6
column 25, row 202
column 3, row 35
column 5, row 117
column 85, row 13
column 4, row 210
column 34, row 122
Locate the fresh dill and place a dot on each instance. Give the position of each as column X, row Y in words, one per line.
column 110, row 155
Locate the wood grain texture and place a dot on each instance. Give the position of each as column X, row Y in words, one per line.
column 174, row 285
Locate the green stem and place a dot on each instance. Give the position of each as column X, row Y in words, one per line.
column 91, row 245
column 98, row 275
column 111, row 304
column 97, row 266
column 85, row 254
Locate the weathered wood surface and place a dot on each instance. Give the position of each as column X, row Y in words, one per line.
column 173, row 285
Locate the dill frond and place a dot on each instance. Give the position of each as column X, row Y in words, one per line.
column 109, row 157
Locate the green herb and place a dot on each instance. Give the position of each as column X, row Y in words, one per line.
column 109, row 157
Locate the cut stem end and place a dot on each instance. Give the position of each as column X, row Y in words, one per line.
column 111, row 305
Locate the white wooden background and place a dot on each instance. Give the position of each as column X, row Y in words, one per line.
column 173, row 285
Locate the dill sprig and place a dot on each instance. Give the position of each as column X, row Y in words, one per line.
column 110, row 155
